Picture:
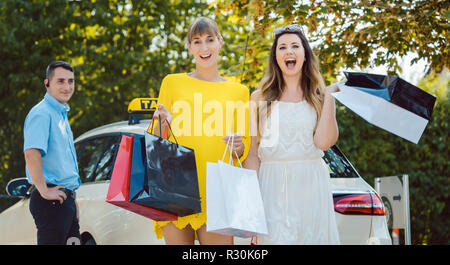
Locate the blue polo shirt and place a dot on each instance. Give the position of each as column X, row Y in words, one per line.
column 47, row 129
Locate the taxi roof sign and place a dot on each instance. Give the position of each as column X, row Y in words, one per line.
column 139, row 106
column 143, row 105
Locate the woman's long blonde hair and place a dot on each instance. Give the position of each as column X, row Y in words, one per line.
column 272, row 84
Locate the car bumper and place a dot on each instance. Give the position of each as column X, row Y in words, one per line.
column 363, row 230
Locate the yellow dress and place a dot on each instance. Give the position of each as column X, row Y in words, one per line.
column 202, row 113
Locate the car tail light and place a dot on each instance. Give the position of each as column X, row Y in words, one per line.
column 358, row 204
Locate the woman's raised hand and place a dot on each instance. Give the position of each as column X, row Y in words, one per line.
column 162, row 112
column 332, row 88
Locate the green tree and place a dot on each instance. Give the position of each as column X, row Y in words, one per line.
column 352, row 33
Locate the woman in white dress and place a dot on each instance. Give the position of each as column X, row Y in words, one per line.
column 293, row 120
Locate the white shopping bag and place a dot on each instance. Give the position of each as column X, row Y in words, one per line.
column 233, row 200
column 382, row 113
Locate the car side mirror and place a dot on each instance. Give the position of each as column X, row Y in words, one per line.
column 18, row 188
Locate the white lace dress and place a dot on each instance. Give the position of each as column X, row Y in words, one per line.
column 294, row 180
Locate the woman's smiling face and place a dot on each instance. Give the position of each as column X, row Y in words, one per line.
column 290, row 54
column 205, row 48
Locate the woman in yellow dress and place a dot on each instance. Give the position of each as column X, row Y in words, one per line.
column 203, row 109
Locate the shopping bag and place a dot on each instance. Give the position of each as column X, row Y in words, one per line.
column 234, row 204
column 170, row 183
column 388, row 102
column 118, row 190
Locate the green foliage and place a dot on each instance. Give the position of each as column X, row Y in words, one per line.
column 121, row 49
column 364, row 33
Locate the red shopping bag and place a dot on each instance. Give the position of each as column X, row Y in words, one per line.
column 119, row 187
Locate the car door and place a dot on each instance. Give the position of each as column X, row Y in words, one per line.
column 17, row 225
column 96, row 156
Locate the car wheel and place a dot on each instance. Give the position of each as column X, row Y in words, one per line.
column 389, row 214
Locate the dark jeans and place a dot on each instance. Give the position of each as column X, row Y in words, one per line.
column 56, row 223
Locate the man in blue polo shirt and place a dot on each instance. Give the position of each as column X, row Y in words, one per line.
column 51, row 162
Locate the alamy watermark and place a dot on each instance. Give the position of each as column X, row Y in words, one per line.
column 216, row 118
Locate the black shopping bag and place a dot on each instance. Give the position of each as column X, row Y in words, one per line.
column 395, row 90
column 388, row 102
column 170, row 182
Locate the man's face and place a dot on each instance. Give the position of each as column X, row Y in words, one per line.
column 61, row 85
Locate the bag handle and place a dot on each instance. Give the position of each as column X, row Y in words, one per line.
column 231, row 151
column 153, row 122
column 160, row 126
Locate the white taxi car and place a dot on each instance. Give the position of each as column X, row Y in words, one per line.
column 360, row 213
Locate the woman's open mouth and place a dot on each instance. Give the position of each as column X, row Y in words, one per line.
column 290, row 63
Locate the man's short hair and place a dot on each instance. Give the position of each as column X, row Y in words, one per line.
column 55, row 64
